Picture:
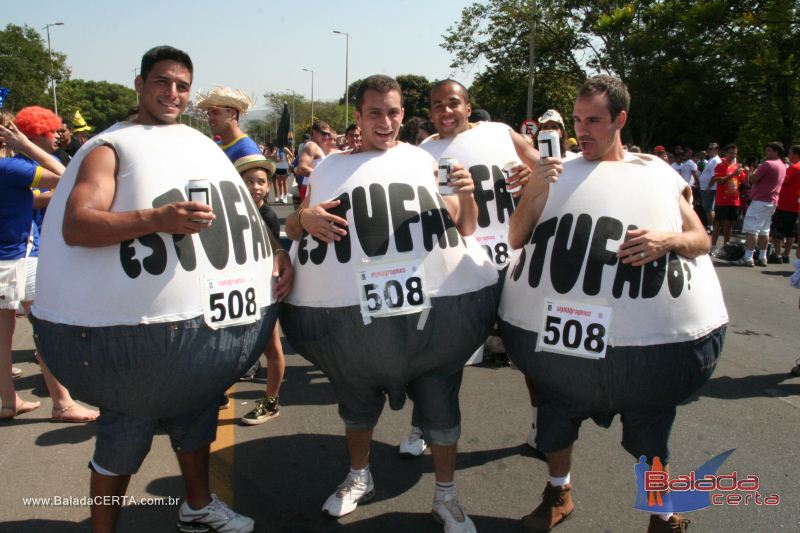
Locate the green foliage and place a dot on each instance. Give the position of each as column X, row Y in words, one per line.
column 698, row 71
column 101, row 103
column 416, row 94
column 25, row 67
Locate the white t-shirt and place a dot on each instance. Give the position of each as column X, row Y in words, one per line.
column 570, row 257
column 687, row 168
column 483, row 150
column 395, row 218
column 708, row 173
column 158, row 277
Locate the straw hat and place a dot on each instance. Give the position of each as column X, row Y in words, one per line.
column 254, row 161
column 224, row 97
column 551, row 115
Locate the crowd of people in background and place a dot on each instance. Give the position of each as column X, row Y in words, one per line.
column 760, row 199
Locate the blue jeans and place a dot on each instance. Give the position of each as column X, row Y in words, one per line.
column 642, row 383
column 143, row 376
column 391, row 357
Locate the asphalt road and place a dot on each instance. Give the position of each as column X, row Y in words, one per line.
column 281, row 472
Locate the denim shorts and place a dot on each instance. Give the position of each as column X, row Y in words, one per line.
column 150, row 374
column 392, row 357
column 643, row 384
column 708, row 198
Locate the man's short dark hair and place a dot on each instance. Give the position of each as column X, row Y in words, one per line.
column 795, row 149
column 351, row 127
column 162, row 53
column 776, row 146
column 730, row 146
column 619, row 99
column 321, row 127
column 378, row 83
column 435, row 86
column 713, row 146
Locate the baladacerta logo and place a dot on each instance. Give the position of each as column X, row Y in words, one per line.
column 657, row 492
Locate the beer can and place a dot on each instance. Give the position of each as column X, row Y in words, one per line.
column 199, row 191
column 549, row 144
column 445, row 167
column 507, row 172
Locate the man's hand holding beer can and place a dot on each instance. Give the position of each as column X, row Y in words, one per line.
column 550, row 150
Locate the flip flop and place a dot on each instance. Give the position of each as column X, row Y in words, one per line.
column 24, row 407
column 16, row 373
column 63, row 414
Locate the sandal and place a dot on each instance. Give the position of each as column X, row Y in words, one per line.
column 74, row 413
column 24, row 407
column 796, row 370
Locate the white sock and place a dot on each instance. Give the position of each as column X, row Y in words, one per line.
column 665, row 516
column 762, row 254
column 362, row 473
column 559, row 481
column 748, row 255
column 444, row 489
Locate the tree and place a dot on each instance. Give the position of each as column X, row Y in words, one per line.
column 25, row 67
column 101, row 103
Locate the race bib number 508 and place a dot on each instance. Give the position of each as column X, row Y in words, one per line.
column 574, row 329
column 388, row 289
column 231, row 301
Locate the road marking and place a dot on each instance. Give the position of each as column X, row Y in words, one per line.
column 220, row 468
column 793, row 400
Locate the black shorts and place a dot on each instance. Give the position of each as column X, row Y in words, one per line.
column 727, row 212
column 784, row 224
column 281, row 171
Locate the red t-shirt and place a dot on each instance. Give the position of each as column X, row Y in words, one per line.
column 728, row 189
column 790, row 190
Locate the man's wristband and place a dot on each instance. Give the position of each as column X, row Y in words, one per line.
column 299, row 217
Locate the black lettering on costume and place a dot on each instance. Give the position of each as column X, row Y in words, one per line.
column 505, row 202
column 156, row 262
column 627, row 273
column 215, row 237
column 183, row 244
column 342, row 246
column 372, row 230
column 520, row 266
column 258, row 236
column 480, row 173
column 130, row 265
column 450, row 227
column 239, row 223
column 541, row 236
column 402, row 218
column 566, row 261
column 653, row 277
column 674, row 275
column 606, row 229
column 431, row 219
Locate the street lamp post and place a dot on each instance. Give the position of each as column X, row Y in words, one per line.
column 50, row 54
column 312, row 93
column 346, row 82
column 294, row 132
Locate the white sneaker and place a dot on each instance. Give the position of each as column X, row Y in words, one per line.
column 217, row 515
column 349, row 494
column 449, row 513
column 414, row 445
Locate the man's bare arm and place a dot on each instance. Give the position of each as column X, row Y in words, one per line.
column 88, row 221
column 306, row 163
column 531, row 205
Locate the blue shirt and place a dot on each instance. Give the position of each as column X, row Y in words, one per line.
column 240, row 147
column 17, row 175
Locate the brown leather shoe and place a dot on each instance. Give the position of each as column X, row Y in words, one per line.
column 675, row 524
column 556, row 507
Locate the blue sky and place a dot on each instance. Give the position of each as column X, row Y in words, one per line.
column 256, row 46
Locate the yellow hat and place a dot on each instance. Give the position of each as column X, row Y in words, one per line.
column 79, row 124
column 571, row 142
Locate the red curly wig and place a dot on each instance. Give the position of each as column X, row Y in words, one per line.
column 34, row 121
